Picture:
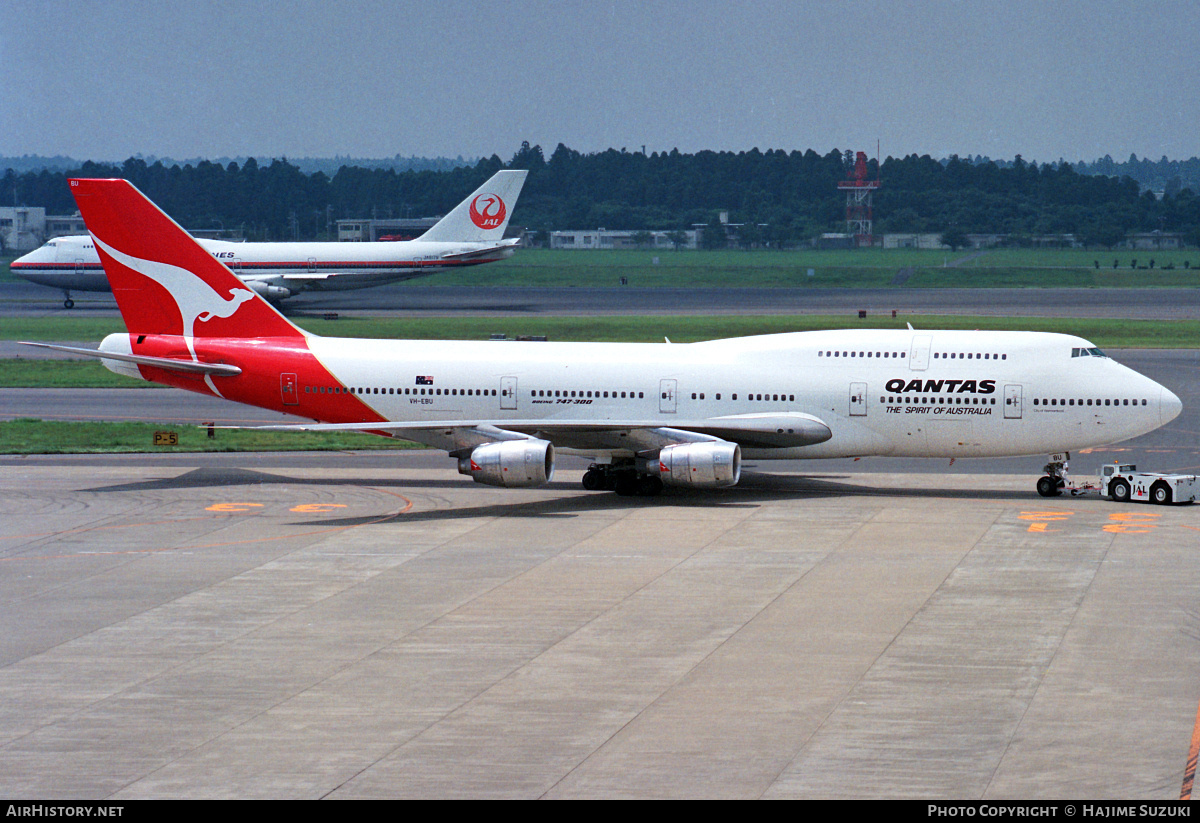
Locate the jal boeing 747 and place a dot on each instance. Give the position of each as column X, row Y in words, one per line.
column 648, row 415
column 472, row 233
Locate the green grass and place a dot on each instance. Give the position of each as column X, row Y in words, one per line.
column 858, row 268
column 1078, row 278
column 868, row 268
column 58, row 328
column 847, row 258
column 63, row 374
column 533, row 268
column 1080, row 258
column 50, row 437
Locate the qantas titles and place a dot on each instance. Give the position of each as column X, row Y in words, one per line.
column 898, row 385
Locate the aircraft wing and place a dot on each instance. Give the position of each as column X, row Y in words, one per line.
column 335, row 280
column 768, row 430
column 473, row 253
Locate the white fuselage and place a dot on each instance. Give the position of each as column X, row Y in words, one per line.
column 880, row 392
column 72, row 263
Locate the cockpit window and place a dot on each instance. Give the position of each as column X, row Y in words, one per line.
column 1092, row 352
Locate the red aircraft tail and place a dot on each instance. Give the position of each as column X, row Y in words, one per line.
column 163, row 280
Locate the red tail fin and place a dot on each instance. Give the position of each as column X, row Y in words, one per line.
column 165, row 282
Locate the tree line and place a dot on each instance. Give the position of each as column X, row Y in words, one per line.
column 782, row 198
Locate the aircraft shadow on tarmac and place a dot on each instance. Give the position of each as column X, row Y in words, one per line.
column 749, row 493
column 754, row 488
column 210, row 477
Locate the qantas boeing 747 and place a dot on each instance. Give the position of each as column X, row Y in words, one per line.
column 472, row 233
column 649, row 415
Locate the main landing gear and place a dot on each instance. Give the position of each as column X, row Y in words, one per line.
column 623, row 479
column 1054, row 479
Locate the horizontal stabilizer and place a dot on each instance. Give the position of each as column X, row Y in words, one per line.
column 468, row 255
column 189, row 366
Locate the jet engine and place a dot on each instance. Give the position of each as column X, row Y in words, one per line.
column 704, row 465
column 269, row 292
column 514, row 464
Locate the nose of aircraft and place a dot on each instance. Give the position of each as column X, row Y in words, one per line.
column 1169, row 406
column 42, row 254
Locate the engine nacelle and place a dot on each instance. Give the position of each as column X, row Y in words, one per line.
column 266, row 290
column 514, row 464
column 704, row 465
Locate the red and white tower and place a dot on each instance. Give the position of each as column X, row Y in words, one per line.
column 859, row 208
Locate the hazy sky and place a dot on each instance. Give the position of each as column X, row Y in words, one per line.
column 1076, row 79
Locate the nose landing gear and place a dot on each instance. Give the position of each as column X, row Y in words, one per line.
column 1054, row 479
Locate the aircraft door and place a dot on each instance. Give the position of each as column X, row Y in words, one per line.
column 287, row 389
column 858, row 399
column 1013, row 401
column 508, row 392
column 918, row 359
column 667, row 400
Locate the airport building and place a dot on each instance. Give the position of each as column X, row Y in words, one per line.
column 1145, row 241
column 24, row 228
column 360, row 231
column 912, row 241
column 623, row 239
column 1154, row 240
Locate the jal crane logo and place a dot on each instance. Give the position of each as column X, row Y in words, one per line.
column 488, row 211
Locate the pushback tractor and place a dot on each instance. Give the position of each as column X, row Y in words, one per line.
column 1121, row 483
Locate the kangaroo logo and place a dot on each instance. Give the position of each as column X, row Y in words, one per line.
column 488, row 211
column 195, row 298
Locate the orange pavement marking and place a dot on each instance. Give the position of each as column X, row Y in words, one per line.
column 407, row 508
